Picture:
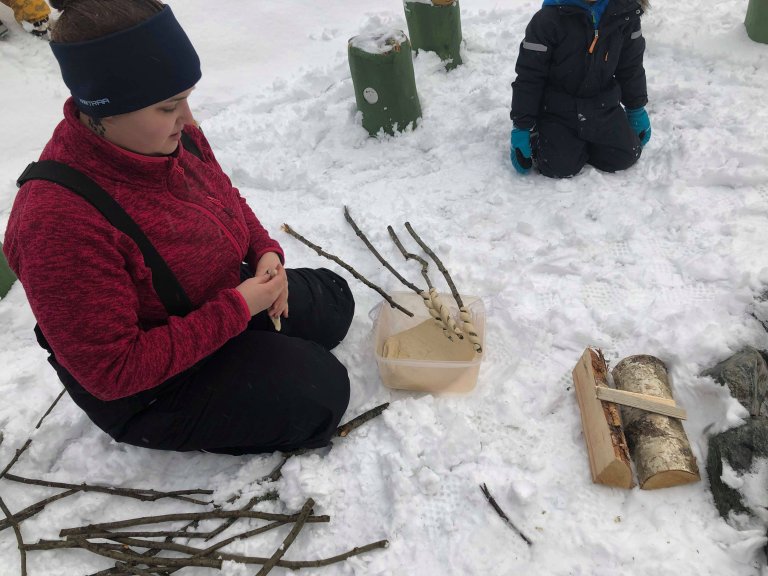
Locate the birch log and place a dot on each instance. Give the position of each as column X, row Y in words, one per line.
column 658, row 444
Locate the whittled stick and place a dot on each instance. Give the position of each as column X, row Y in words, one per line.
column 464, row 314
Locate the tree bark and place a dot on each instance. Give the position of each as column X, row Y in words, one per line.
column 658, row 444
column 606, row 446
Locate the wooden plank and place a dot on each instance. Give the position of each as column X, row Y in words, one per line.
column 664, row 406
column 606, row 446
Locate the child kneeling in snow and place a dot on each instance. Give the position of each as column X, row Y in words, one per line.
column 579, row 62
column 166, row 341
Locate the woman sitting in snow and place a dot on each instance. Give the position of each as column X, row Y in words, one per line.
column 578, row 62
column 176, row 349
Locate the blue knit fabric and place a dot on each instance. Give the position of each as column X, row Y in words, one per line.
column 596, row 9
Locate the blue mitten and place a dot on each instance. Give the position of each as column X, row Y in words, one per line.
column 520, row 150
column 641, row 124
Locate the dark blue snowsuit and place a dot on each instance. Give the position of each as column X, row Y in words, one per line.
column 578, row 62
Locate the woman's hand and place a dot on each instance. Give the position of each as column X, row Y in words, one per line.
column 260, row 292
column 269, row 266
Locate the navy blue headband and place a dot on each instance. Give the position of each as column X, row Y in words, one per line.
column 130, row 69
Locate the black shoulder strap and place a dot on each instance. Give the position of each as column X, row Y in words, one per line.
column 190, row 146
column 166, row 285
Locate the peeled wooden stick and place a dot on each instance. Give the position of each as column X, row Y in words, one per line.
column 464, row 314
column 426, row 295
column 447, row 329
column 444, row 313
column 275, row 321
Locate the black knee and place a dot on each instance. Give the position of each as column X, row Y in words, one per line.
column 341, row 308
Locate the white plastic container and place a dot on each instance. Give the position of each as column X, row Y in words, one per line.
column 425, row 375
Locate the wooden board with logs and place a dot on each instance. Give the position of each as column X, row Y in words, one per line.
column 659, row 446
column 606, row 445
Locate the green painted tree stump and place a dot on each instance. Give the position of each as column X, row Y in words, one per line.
column 757, row 20
column 7, row 277
column 385, row 87
column 435, row 26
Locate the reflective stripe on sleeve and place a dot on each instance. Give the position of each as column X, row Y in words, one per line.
column 533, row 46
column 636, row 35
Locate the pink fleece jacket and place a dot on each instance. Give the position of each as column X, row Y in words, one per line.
column 87, row 283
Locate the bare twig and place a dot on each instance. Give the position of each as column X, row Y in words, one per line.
column 130, row 557
column 84, row 530
column 50, row 408
column 21, row 450
column 376, row 253
column 145, row 495
column 345, row 429
column 306, row 510
column 464, row 315
column 501, row 513
column 35, row 508
column 19, row 539
column 286, row 228
column 267, row 496
column 164, row 564
column 438, row 263
column 15, row 459
column 277, row 471
column 256, row 531
column 410, row 256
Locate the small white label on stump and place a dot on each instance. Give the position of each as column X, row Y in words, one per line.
column 370, row 95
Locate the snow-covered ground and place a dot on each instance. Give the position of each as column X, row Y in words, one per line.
column 663, row 259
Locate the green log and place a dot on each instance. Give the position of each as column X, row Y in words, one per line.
column 385, row 87
column 757, row 20
column 7, row 277
column 436, row 27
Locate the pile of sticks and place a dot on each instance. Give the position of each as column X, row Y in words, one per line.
column 141, row 551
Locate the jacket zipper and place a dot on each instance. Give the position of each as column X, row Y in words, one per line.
column 594, row 41
column 210, row 215
column 597, row 34
column 220, row 204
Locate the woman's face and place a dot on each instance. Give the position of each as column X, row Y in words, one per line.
column 152, row 131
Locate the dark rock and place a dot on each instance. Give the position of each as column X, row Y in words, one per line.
column 739, row 447
column 746, row 375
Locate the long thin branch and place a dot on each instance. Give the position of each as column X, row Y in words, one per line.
column 379, row 257
column 500, row 512
column 267, row 496
column 130, row 557
column 143, row 494
column 438, row 263
column 342, row 431
column 358, row 421
column 35, row 508
column 19, row 539
column 306, row 510
column 286, row 228
column 50, row 408
column 16, row 457
column 21, row 451
column 197, row 516
column 466, row 318
column 410, row 256
column 163, row 564
column 243, row 535
column 277, row 471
